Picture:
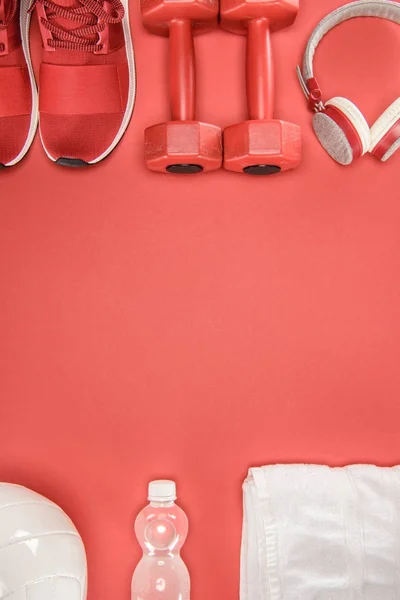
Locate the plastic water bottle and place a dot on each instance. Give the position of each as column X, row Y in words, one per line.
column 161, row 529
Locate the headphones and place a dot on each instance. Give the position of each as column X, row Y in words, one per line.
column 338, row 124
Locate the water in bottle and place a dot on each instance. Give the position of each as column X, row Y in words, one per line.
column 161, row 529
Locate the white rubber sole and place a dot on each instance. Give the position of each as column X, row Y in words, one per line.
column 131, row 94
column 25, row 21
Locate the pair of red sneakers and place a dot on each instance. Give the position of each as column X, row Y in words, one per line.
column 86, row 80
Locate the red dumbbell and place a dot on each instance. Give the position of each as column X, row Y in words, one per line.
column 182, row 145
column 262, row 145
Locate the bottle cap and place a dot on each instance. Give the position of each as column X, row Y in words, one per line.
column 162, row 491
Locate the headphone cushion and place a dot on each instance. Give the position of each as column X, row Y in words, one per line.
column 334, row 139
column 383, row 125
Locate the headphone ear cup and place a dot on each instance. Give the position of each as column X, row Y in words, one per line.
column 385, row 133
column 342, row 130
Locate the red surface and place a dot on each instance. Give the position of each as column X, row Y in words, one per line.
column 190, row 327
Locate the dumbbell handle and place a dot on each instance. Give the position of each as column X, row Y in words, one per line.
column 259, row 70
column 182, row 71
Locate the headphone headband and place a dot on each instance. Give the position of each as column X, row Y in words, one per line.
column 384, row 9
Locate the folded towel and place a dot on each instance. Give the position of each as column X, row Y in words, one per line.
column 316, row 533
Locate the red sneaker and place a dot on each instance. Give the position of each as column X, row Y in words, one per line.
column 18, row 94
column 87, row 78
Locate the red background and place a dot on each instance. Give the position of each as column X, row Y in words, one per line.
column 191, row 327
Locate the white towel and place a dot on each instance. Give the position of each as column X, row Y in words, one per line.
column 317, row 533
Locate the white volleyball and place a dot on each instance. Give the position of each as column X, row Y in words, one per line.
column 42, row 556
